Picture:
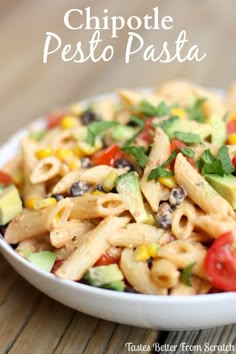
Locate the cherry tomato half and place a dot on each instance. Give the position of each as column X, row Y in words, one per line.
column 53, row 120
column 234, row 161
column 220, row 262
column 5, row 179
column 106, row 259
column 106, row 156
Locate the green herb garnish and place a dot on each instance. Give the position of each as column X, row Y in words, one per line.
column 187, row 152
column 159, row 172
column 139, row 122
column 97, row 128
column 138, row 153
column 223, row 156
column 187, row 273
column 166, row 124
column 188, row 138
column 219, row 165
column 170, row 159
column 149, row 110
column 195, row 112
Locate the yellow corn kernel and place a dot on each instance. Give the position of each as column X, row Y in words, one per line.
column 232, row 139
column 74, row 164
column 30, row 202
column 152, row 249
column 169, row 182
column 141, row 253
column 150, row 220
column 64, row 155
column 97, row 192
column 109, row 181
column 77, row 151
column 75, row 109
column 45, row 152
column 68, row 122
column 232, row 116
column 18, row 177
column 44, row 203
column 181, row 113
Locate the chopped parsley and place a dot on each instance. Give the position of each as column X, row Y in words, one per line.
column 220, row 165
column 97, row 128
column 159, row 172
column 138, row 153
column 195, row 112
column 187, row 138
column 170, row 159
column 187, row 273
column 167, row 123
column 187, row 152
column 149, row 110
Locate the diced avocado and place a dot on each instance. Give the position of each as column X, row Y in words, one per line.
column 225, row 186
column 117, row 285
column 218, row 135
column 10, row 204
column 186, row 126
column 122, row 132
column 103, row 275
column 128, row 185
column 44, row 260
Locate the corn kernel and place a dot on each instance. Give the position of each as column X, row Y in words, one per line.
column 232, row 139
column 232, row 116
column 97, row 192
column 88, row 149
column 181, row 113
column 45, row 152
column 152, row 249
column 68, row 122
column 169, row 182
column 30, row 202
column 44, row 203
column 74, row 164
column 141, row 253
column 150, row 220
column 64, row 155
column 18, row 177
column 77, row 151
column 109, row 181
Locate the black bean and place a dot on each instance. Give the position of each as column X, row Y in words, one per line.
column 89, row 117
column 100, row 188
column 177, row 196
column 85, row 162
column 132, row 124
column 123, row 163
column 57, row 196
column 79, row 188
column 163, row 216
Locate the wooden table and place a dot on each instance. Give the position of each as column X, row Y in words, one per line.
column 30, row 321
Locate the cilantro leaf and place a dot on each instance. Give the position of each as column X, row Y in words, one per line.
column 195, row 111
column 187, row 152
column 188, row 138
column 139, row 122
column 187, row 273
column 159, row 172
column 166, row 124
column 171, row 158
column 206, row 158
column 214, row 167
column 223, row 156
column 149, row 110
column 97, row 128
column 138, row 153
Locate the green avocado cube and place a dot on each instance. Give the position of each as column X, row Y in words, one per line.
column 225, row 186
column 10, row 204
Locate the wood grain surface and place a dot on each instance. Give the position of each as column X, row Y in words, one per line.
column 31, row 323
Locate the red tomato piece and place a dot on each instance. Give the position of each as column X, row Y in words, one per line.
column 53, row 120
column 220, row 262
column 106, row 156
column 5, row 179
column 176, row 144
column 231, row 127
column 234, row 161
column 106, row 259
column 148, row 132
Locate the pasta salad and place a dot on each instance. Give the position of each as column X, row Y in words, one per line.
column 136, row 194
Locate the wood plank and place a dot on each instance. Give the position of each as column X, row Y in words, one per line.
column 213, row 341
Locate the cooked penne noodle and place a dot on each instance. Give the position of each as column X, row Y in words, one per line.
column 90, row 249
column 153, row 190
column 105, row 109
column 214, row 225
column 164, row 273
column 199, row 190
column 96, row 206
column 45, row 170
column 138, row 274
column 182, row 220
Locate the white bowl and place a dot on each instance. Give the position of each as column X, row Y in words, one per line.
column 150, row 311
